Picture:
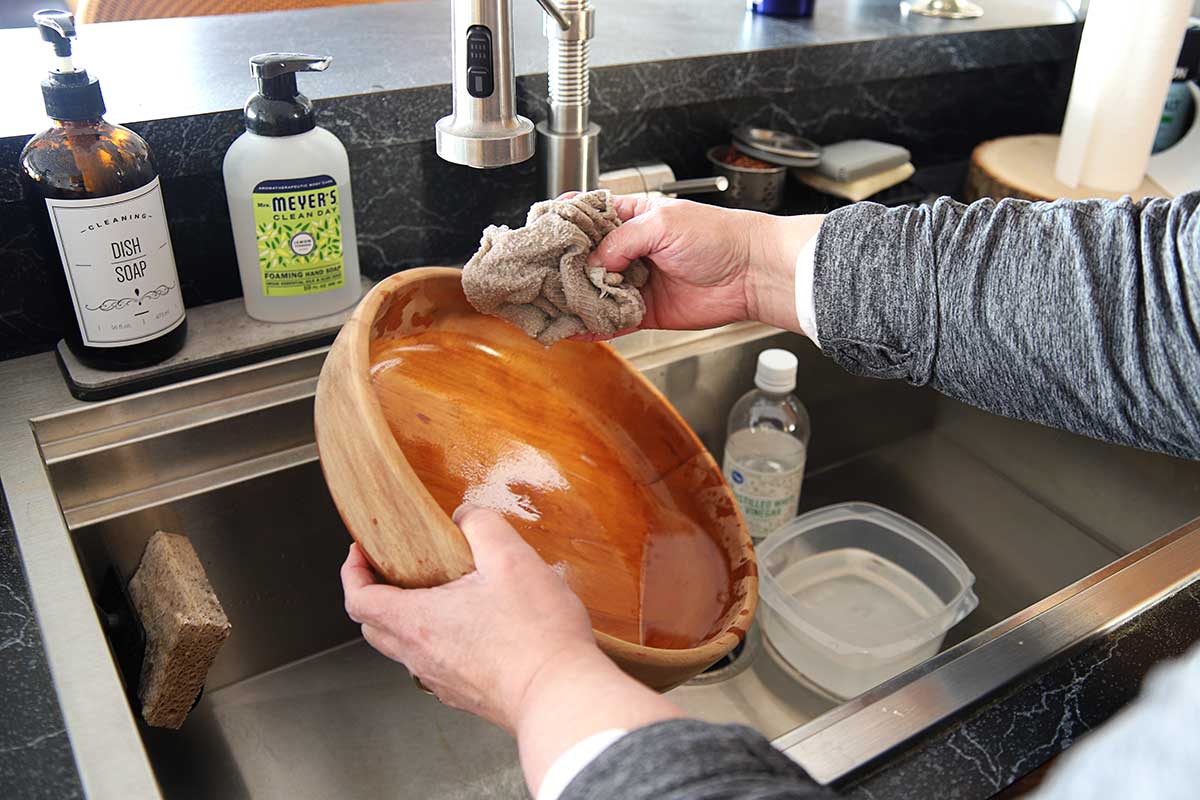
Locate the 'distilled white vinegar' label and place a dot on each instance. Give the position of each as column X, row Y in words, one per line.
column 120, row 269
column 765, row 470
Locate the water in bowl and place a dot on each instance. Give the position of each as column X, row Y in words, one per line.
column 477, row 426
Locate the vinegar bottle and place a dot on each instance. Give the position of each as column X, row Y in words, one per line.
column 94, row 191
column 767, row 446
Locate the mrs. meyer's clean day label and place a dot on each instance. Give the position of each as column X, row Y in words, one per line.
column 767, row 445
column 299, row 228
column 120, row 270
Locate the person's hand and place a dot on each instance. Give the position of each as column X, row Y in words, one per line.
column 508, row 642
column 709, row 265
column 480, row 642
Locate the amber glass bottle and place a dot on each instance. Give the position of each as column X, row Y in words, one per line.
column 94, row 189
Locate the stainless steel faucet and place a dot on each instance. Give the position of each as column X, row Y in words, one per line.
column 484, row 130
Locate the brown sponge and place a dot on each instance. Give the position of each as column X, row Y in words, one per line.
column 185, row 627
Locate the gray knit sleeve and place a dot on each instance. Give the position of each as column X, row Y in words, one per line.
column 1083, row 315
column 686, row 759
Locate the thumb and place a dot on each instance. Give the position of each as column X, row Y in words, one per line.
column 491, row 538
column 640, row 236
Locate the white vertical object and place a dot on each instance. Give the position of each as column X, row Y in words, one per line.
column 1126, row 60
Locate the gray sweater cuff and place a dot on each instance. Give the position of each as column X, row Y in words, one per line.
column 685, row 759
column 874, row 315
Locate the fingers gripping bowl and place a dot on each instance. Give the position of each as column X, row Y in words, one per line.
column 423, row 404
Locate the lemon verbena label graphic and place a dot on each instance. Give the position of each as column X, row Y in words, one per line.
column 298, row 224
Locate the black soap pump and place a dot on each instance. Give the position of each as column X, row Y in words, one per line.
column 278, row 108
column 93, row 187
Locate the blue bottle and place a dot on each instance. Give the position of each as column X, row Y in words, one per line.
column 782, row 8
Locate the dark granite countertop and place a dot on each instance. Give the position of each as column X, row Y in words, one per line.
column 156, row 69
column 188, row 78
column 35, row 754
column 669, row 79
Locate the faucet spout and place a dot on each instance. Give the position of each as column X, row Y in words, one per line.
column 551, row 9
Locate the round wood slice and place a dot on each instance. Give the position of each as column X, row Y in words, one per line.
column 1023, row 167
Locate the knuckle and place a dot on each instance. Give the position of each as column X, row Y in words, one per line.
column 371, row 637
column 669, row 211
column 669, row 217
column 419, row 637
column 659, row 217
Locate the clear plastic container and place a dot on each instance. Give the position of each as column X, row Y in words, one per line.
column 855, row 594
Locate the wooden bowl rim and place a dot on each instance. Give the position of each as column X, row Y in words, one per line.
column 358, row 350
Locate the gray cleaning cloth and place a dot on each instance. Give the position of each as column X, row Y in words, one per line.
column 537, row 277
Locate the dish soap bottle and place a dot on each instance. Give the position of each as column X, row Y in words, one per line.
column 94, row 192
column 288, row 186
column 767, row 445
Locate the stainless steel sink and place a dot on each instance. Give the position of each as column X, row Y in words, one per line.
column 298, row 706
column 296, row 703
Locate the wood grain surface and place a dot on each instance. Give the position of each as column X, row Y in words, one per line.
column 424, row 404
column 1023, row 167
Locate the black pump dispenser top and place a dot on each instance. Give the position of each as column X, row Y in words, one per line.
column 278, row 108
column 69, row 92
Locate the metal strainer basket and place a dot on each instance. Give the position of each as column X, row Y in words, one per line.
column 752, row 188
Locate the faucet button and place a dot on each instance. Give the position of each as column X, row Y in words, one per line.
column 480, row 81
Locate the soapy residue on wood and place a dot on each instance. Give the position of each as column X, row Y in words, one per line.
column 498, row 489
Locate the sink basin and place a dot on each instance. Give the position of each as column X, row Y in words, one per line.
column 298, row 706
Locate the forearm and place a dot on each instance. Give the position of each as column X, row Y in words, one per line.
column 582, row 695
column 1081, row 315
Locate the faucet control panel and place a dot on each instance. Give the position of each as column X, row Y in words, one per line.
column 480, row 81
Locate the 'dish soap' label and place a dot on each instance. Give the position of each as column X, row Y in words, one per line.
column 298, row 224
column 116, row 252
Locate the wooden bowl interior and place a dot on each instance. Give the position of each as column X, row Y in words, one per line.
column 578, row 451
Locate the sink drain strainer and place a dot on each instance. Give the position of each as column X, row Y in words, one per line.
column 737, row 661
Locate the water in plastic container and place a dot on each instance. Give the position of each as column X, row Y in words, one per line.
column 854, row 591
column 855, row 594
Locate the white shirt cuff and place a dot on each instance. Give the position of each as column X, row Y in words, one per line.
column 806, row 310
column 573, row 760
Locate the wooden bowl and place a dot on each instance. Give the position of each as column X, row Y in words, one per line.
column 424, row 403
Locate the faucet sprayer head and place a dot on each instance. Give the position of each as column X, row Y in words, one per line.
column 483, row 130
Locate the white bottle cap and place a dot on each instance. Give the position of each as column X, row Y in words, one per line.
column 776, row 371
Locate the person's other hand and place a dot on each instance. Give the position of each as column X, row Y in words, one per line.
column 481, row 642
column 709, row 265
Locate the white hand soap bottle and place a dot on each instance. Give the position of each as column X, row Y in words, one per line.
column 288, row 186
